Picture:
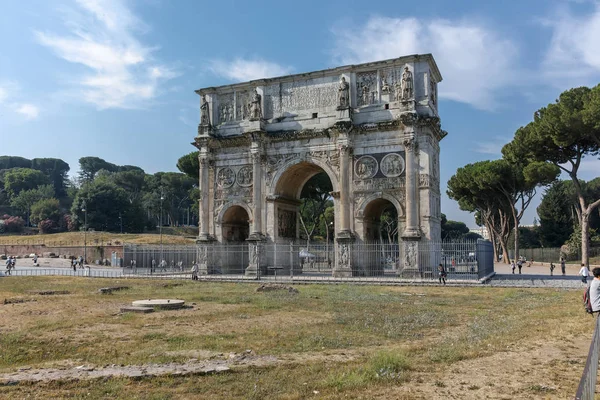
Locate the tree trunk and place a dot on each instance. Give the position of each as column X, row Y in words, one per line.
column 585, row 237
column 493, row 240
column 504, row 249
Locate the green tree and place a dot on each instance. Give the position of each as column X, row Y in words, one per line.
column 56, row 170
column 562, row 134
column 314, row 198
column 9, row 162
column 89, row 166
column 453, row 229
column 556, row 213
column 107, row 207
column 19, row 179
column 46, row 209
column 190, row 165
column 25, row 200
column 475, row 187
column 516, row 181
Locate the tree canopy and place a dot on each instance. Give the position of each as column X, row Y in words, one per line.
column 562, row 134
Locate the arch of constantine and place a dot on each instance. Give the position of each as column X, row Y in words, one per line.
column 372, row 128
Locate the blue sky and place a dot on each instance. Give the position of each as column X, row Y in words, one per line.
column 116, row 79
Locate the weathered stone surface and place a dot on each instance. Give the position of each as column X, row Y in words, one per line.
column 164, row 304
column 270, row 287
column 109, row 290
column 49, row 292
column 140, row 310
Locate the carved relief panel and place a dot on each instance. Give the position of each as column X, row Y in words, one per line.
column 244, row 176
column 291, row 97
column 392, row 165
column 366, row 88
column 242, row 104
column 225, row 178
column 365, row 167
column 226, row 107
column 286, row 224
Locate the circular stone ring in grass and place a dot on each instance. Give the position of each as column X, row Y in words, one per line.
column 161, row 304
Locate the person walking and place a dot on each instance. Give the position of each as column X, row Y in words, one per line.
column 74, row 262
column 584, row 272
column 513, row 266
column 8, row 265
column 520, row 265
column 551, row 269
column 563, row 267
column 153, row 265
column 35, row 258
column 442, row 274
column 195, row 272
column 595, row 290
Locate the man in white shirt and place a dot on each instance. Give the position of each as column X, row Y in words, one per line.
column 595, row 290
column 584, row 272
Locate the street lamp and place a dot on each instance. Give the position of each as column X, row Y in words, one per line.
column 84, row 209
column 121, row 221
column 162, row 197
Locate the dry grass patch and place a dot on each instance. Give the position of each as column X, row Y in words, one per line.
column 331, row 341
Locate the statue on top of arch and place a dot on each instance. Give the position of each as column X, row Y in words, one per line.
column 343, row 94
column 255, row 107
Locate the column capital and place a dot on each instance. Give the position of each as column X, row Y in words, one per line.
column 410, row 143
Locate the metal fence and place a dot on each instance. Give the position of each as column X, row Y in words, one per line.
column 587, row 384
column 465, row 260
column 146, row 259
column 553, row 254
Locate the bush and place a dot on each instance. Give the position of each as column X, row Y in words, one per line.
column 47, row 226
column 46, row 209
column 11, row 224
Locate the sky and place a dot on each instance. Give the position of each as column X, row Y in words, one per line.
column 116, row 79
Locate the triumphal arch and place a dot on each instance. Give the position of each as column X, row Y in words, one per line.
column 372, row 128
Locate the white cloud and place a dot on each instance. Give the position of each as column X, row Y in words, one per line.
column 30, row 111
column 240, row 70
column 475, row 61
column 9, row 90
column 573, row 57
column 493, row 146
column 123, row 71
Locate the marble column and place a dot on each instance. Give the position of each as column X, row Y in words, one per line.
column 256, row 249
column 345, row 190
column 256, row 193
column 412, row 232
column 412, row 229
column 204, row 206
column 344, row 237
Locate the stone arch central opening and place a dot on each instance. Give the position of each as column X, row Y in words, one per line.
column 304, row 205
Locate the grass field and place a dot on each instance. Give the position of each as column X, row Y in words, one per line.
column 330, row 341
column 99, row 238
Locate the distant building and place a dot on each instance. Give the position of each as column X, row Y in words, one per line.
column 482, row 230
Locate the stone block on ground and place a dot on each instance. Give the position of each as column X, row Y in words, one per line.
column 139, row 310
column 270, row 287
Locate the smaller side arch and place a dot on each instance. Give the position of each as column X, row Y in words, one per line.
column 360, row 210
column 230, row 204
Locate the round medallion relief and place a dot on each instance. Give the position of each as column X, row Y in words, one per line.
column 392, row 165
column 225, row 178
column 244, row 176
column 366, row 167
